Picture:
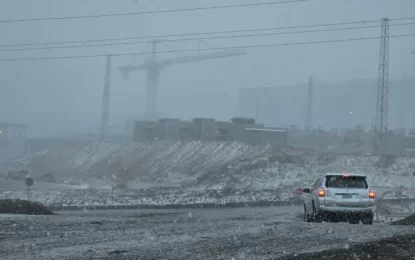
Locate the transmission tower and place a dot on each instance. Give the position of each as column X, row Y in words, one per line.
column 309, row 114
column 106, row 100
column 381, row 124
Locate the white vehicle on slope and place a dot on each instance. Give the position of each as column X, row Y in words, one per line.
column 340, row 197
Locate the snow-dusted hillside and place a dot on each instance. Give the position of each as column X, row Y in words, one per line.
column 213, row 165
column 301, row 168
column 150, row 160
column 194, row 167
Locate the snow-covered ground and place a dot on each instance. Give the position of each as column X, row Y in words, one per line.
column 103, row 197
column 195, row 172
column 243, row 233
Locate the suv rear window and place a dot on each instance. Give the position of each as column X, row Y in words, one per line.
column 339, row 181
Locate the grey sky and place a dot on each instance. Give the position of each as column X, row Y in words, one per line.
column 65, row 95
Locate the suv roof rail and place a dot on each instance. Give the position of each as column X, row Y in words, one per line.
column 344, row 173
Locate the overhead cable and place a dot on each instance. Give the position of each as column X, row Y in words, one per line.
column 205, row 49
column 218, row 7
column 195, row 39
column 209, row 33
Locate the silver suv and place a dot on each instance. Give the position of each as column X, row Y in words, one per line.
column 340, row 197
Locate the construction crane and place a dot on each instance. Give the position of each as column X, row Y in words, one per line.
column 154, row 67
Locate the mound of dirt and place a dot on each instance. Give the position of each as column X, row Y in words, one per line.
column 23, row 207
column 410, row 220
column 386, row 161
column 397, row 247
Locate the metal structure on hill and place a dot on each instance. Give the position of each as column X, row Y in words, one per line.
column 106, row 100
column 154, row 67
column 383, row 84
column 310, row 99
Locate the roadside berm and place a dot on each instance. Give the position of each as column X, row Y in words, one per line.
column 12, row 206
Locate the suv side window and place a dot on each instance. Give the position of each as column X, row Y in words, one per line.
column 316, row 184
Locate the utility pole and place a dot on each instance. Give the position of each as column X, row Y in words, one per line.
column 257, row 107
column 309, row 117
column 381, row 124
column 152, row 83
column 106, row 100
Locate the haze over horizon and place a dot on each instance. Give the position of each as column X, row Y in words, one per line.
column 65, row 96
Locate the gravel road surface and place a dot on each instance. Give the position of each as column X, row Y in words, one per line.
column 242, row 233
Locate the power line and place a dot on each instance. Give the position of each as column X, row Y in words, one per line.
column 206, row 33
column 152, row 12
column 207, row 49
column 196, row 39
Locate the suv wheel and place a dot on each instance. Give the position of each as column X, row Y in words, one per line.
column 307, row 217
column 316, row 215
column 368, row 220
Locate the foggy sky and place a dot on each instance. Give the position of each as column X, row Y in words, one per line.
column 57, row 96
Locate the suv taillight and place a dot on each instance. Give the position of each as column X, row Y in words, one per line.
column 372, row 194
column 321, row 192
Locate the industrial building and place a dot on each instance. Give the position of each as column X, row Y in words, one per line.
column 12, row 141
column 351, row 140
column 336, row 105
column 34, row 145
column 347, row 108
column 208, row 129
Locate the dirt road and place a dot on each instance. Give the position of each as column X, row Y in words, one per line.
column 242, row 233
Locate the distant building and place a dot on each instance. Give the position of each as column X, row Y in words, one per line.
column 208, row 129
column 12, row 141
column 264, row 136
column 34, row 145
column 336, row 104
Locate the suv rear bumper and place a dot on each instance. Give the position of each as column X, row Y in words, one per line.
column 334, row 209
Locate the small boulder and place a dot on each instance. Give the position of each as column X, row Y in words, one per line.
column 10, row 206
column 410, row 220
column 48, row 177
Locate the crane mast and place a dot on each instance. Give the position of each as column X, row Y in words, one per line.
column 154, row 67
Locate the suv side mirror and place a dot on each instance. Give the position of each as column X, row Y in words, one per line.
column 307, row 190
